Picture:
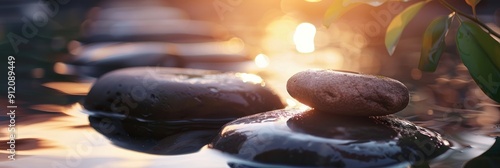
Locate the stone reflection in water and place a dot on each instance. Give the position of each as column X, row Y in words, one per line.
column 490, row 158
column 168, row 138
column 308, row 138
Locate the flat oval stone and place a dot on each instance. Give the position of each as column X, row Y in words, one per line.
column 346, row 93
column 167, row 30
column 308, row 138
column 173, row 94
column 141, row 13
column 100, row 58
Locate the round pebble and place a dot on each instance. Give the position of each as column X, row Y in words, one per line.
column 308, row 138
column 347, row 93
column 174, row 94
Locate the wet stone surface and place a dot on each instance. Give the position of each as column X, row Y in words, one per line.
column 158, row 12
column 316, row 139
column 173, row 94
column 167, row 30
column 100, row 58
column 142, row 103
column 347, row 93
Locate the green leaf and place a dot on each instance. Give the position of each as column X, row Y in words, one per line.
column 487, row 43
column 398, row 24
column 433, row 43
column 336, row 10
column 477, row 60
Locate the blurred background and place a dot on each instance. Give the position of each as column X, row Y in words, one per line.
column 62, row 46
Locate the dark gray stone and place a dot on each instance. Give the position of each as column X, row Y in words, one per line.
column 140, row 13
column 100, row 58
column 173, row 94
column 168, row 30
column 348, row 93
column 308, row 138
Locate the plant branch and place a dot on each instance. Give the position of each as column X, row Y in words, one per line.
column 447, row 5
column 459, row 18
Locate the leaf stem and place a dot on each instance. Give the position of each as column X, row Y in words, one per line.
column 447, row 5
column 474, row 12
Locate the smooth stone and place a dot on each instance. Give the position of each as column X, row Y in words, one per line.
column 168, row 30
column 174, row 94
column 308, row 138
column 140, row 13
column 132, row 3
column 99, row 58
column 347, row 93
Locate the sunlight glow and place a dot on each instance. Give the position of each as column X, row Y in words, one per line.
column 234, row 45
column 304, row 38
column 71, row 88
column 261, row 61
column 251, row 78
column 61, row 68
column 291, row 102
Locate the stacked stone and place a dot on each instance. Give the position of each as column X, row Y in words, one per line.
column 348, row 126
column 347, row 93
column 173, row 111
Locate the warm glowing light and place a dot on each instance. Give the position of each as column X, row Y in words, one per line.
column 291, row 102
column 37, row 73
column 74, row 47
column 234, row 45
column 313, row 0
column 262, row 61
column 62, row 68
column 416, row 74
column 278, row 36
column 71, row 88
column 304, row 37
column 48, row 107
column 250, row 78
column 430, row 112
